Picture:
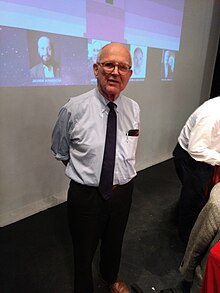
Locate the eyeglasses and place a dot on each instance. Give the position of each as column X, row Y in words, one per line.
column 109, row 67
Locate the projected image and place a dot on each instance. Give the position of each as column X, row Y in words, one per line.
column 155, row 23
column 105, row 20
column 167, row 64
column 139, row 60
column 94, row 47
column 45, row 44
column 74, row 59
column 30, row 58
column 61, row 17
column 57, row 59
column 43, row 54
column 14, row 62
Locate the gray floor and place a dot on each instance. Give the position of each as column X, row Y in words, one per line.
column 36, row 253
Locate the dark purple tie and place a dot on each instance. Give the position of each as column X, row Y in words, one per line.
column 108, row 164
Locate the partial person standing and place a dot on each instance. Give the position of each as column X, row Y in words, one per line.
column 195, row 155
column 204, row 236
column 98, row 208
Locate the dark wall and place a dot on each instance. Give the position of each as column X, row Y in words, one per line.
column 215, row 89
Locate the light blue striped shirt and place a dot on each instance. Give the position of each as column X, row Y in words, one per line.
column 79, row 136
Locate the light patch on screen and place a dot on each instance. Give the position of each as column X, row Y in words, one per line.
column 73, row 28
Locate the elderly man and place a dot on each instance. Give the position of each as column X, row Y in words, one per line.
column 96, row 138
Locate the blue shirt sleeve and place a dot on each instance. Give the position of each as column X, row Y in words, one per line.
column 60, row 135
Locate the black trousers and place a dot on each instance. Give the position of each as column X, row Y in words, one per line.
column 92, row 220
column 196, row 179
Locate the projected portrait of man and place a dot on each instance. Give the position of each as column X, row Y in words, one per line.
column 167, row 69
column 47, row 68
column 139, row 61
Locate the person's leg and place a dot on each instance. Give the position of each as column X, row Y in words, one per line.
column 179, row 158
column 195, row 178
column 193, row 196
column 111, row 243
column 182, row 162
column 84, row 204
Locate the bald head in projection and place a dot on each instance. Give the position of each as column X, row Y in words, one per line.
column 47, row 68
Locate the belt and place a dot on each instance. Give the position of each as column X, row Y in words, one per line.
column 113, row 186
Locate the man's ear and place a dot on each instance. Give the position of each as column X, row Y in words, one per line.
column 95, row 69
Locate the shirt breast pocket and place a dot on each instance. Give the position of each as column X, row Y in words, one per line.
column 130, row 145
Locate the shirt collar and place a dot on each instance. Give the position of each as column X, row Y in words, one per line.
column 104, row 101
column 49, row 67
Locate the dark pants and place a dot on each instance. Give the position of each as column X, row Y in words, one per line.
column 92, row 219
column 196, row 180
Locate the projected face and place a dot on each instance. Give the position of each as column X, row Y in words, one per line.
column 45, row 50
column 111, row 84
column 138, row 60
column 167, row 62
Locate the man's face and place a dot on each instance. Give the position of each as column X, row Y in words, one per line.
column 111, row 84
column 45, row 50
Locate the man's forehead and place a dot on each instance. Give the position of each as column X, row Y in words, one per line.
column 115, row 53
column 44, row 42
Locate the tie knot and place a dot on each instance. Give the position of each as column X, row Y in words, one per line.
column 111, row 105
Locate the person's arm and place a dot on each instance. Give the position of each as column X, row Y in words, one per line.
column 204, row 145
column 202, row 234
column 60, row 137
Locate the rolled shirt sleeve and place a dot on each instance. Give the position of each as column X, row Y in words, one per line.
column 60, row 135
column 204, row 142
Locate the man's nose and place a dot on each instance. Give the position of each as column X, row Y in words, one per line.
column 44, row 51
column 115, row 70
